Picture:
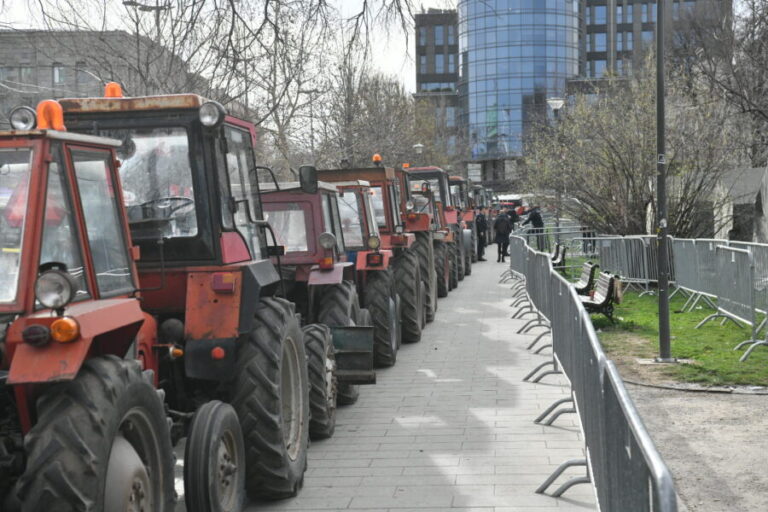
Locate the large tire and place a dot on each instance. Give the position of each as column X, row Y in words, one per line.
column 460, row 253
column 99, row 441
column 425, row 251
column 321, row 364
column 453, row 259
column 271, row 397
column 410, row 288
column 214, row 460
column 469, row 255
column 441, row 262
column 339, row 307
column 380, row 298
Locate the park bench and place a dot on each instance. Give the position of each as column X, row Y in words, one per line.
column 587, row 278
column 558, row 263
column 601, row 301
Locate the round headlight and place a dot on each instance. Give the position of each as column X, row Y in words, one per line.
column 212, row 114
column 23, row 118
column 327, row 240
column 399, row 229
column 409, row 205
column 54, row 289
column 374, row 242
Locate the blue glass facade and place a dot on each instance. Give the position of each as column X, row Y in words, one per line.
column 514, row 54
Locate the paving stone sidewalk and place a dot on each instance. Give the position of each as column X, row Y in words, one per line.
column 450, row 427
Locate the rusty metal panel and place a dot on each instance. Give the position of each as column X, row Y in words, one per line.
column 165, row 102
column 366, row 173
column 212, row 314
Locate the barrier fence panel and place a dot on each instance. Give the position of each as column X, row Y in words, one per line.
column 686, row 268
column 706, row 265
column 623, row 464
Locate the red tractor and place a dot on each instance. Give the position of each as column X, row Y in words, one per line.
column 388, row 199
column 374, row 272
column 227, row 351
column 466, row 215
column 319, row 280
column 458, row 239
column 82, row 426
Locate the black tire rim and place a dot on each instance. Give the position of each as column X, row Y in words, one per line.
column 227, row 467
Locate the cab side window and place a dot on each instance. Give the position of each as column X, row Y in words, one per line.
column 239, row 166
column 102, row 220
column 60, row 242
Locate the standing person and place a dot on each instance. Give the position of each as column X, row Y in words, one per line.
column 513, row 218
column 503, row 227
column 534, row 217
column 481, row 224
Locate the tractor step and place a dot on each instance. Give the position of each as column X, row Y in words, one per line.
column 354, row 354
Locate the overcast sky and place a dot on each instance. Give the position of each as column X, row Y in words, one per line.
column 392, row 50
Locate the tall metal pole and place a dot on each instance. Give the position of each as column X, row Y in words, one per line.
column 665, row 352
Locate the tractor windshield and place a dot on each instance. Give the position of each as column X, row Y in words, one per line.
column 157, row 182
column 14, row 181
column 422, row 185
column 351, row 219
column 288, row 220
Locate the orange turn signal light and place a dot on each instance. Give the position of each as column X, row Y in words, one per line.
column 326, row 263
column 176, row 352
column 65, row 329
column 50, row 116
column 113, row 90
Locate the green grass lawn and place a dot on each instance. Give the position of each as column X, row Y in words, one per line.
column 635, row 335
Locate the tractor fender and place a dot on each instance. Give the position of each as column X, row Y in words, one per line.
column 110, row 324
column 331, row 276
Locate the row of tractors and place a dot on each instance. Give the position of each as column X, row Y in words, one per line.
column 157, row 285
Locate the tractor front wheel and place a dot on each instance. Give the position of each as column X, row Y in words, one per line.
column 271, row 398
column 321, row 363
column 424, row 249
column 380, row 298
column 101, row 442
column 214, row 460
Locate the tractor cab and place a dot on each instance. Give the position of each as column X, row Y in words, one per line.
column 64, row 249
column 386, row 198
column 435, row 181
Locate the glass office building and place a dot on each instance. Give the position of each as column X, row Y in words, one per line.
column 514, row 54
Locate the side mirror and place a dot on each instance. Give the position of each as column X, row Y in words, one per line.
column 308, row 179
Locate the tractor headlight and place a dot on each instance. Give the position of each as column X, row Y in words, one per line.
column 409, row 205
column 23, row 118
column 55, row 289
column 374, row 242
column 327, row 240
column 212, row 114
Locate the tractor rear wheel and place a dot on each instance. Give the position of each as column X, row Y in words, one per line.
column 214, row 460
column 271, row 398
column 410, row 288
column 442, row 269
column 460, row 255
column 425, row 251
column 339, row 307
column 321, row 364
column 380, row 298
column 453, row 258
column 101, row 442
column 469, row 254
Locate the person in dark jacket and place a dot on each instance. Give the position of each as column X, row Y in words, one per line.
column 481, row 224
column 537, row 224
column 503, row 227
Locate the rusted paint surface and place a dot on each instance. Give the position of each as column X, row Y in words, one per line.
column 422, row 222
column 62, row 361
column 211, row 315
column 166, row 102
column 365, row 173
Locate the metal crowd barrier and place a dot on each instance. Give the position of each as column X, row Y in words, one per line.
column 621, row 459
column 634, row 258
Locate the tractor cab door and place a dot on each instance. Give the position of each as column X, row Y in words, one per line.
column 353, row 220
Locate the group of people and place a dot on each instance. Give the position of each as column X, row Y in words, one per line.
column 503, row 225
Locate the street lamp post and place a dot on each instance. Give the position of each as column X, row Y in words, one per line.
column 556, row 104
column 665, row 352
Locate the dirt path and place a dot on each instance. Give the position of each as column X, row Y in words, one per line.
column 715, row 444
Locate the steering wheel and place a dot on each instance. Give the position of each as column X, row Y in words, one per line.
column 166, row 203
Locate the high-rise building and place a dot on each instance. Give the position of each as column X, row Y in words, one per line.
column 437, row 53
column 616, row 33
column 515, row 54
